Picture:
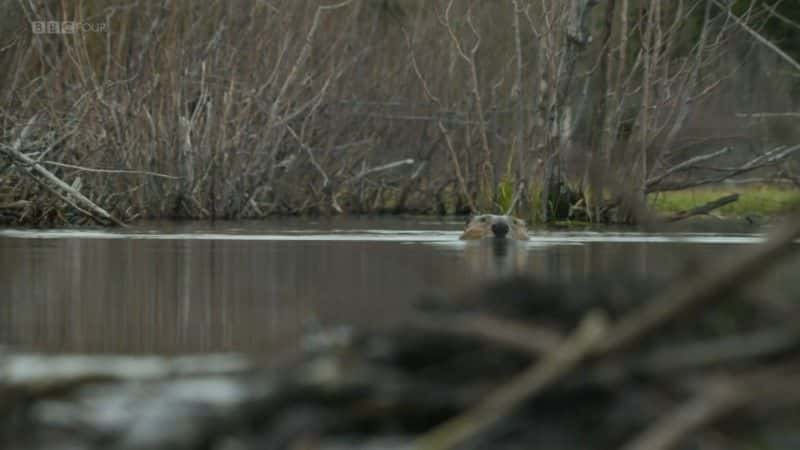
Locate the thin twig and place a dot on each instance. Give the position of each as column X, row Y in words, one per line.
column 686, row 165
column 381, row 168
column 769, row 158
column 461, row 181
column 114, row 171
column 785, row 56
column 769, row 115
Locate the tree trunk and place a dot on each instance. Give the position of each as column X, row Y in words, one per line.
column 561, row 114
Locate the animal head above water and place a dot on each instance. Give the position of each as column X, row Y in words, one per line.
column 496, row 226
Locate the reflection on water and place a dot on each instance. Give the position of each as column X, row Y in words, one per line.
column 254, row 287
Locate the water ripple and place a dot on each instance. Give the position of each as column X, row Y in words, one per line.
column 376, row 235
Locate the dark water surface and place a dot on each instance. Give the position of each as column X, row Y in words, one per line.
column 255, row 286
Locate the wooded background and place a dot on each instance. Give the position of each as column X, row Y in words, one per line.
column 240, row 109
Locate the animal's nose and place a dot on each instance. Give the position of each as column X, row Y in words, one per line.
column 500, row 229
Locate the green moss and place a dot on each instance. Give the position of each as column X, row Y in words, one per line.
column 756, row 199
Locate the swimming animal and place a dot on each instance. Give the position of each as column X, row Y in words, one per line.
column 495, row 226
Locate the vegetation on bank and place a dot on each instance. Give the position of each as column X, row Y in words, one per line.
column 754, row 200
column 229, row 109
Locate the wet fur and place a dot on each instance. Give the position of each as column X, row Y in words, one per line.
column 480, row 227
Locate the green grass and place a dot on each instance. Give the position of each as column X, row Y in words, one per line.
column 753, row 200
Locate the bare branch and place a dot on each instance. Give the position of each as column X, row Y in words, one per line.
column 533, row 380
column 714, row 401
column 381, row 168
column 686, row 165
column 768, row 115
column 115, row 171
column 785, row 56
column 56, row 185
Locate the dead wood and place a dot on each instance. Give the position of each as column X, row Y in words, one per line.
column 715, row 401
column 716, row 397
column 704, row 209
column 35, row 170
column 686, row 165
column 513, row 334
column 18, row 204
column 767, row 159
column 533, row 380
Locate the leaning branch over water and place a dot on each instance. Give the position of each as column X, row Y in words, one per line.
column 70, row 195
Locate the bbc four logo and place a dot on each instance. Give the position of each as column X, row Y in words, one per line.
column 66, row 27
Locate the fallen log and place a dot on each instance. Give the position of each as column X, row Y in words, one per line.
column 704, row 209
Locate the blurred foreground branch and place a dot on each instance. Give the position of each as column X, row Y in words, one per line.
column 594, row 340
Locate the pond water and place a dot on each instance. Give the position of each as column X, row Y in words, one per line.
column 172, row 288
